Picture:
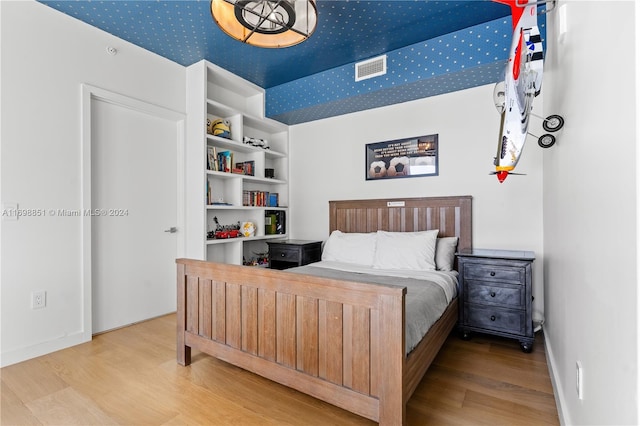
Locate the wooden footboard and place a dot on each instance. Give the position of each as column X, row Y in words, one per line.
column 337, row 341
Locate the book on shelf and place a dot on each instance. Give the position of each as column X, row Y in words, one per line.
column 212, row 158
column 275, row 222
column 251, row 198
column 225, row 161
column 249, row 168
column 273, row 200
column 246, row 168
column 269, row 223
column 259, row 198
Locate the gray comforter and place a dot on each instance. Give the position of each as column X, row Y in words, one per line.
column 426, row 299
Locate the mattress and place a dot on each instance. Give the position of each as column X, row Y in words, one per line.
column 428, row 292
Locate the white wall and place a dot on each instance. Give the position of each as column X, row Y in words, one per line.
column 45, row 57
column 328, row 163
column 590, row 215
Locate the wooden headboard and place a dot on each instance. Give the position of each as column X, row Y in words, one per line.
column 450, row 215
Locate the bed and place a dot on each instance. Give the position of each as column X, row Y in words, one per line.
column 341, row 341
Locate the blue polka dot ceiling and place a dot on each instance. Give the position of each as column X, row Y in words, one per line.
column 432, row 47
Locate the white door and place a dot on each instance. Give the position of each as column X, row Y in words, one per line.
column 134, row 203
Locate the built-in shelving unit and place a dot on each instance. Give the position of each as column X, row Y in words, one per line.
column 212, row 93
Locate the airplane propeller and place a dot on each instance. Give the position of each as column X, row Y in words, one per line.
column 510, row 173
column 502, row 175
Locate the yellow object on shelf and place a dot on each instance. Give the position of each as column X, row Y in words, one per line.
column 219, row 127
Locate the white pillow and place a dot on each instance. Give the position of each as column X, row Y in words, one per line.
column 350, row 247
column 445, row 253
column 406, row 250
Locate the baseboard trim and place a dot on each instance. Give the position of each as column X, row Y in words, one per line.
column 15, row 356
column 555, row 383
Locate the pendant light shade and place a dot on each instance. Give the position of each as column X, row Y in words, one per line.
column 277, row 23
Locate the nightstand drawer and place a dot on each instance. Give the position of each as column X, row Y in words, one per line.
column 283, row 253
column 494, row 273
column 505, row 320
column 480, row 292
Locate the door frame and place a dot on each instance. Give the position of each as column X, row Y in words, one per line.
column 89, row 94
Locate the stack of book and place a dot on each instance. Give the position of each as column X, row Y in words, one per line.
column 260, row 198
column 219, row 161
column 246, row 168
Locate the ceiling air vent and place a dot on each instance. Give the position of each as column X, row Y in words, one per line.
column 371, row 68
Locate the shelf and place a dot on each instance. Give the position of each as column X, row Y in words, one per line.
column 248, row 178
column 266, row 124
column 241, row 239
column 232, row 91
column 216, row 108
column 225, row 241
column 230, row 144
column 233, row 207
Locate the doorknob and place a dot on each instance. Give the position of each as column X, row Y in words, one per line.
column 171, row 230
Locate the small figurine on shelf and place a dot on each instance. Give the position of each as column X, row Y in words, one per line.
column 215, row 233
column 234, row 230
column 226, row 231
column 260, row 143
column 262, row 259
column 248, row 229
column 219, row 127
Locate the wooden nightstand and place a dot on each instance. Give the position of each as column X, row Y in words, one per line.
column 495, row 294
column 285, row 254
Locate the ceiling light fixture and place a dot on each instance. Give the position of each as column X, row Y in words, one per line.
column 266, row 23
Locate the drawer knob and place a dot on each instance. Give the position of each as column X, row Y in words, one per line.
column 493, row 274
column 492, row 294
column 281, row 254
column 493, row 317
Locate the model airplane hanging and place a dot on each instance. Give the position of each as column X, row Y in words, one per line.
column 522, row 82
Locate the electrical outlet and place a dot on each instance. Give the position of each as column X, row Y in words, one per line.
column 579, row 380
column 38, row 299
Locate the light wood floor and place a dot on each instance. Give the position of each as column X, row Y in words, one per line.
column 130, row 377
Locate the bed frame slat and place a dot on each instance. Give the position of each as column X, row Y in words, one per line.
column 330, row 356
column 267, row 324
column 286, row 329
column 360, row 349
column 307, row 339
column 204, row 318
column 219, row 312
column 249, row 329
column 233, row 318
column 193, row 304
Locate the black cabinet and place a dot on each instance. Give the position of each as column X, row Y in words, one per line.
column 495, row 294
column 285, row 254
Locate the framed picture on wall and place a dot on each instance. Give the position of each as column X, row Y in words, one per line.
column 402, row 158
